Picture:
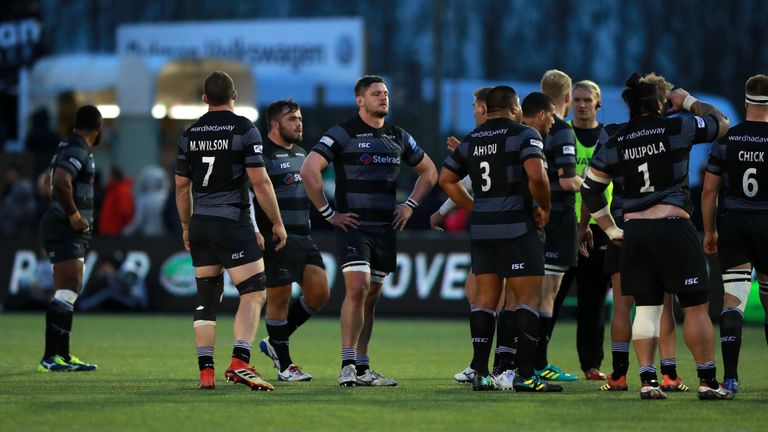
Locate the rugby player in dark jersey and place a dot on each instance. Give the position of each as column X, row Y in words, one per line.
column 216, row 155
column 504, row 160
column 740, row 238
column 65, row 231
column 300, row 260
column 661, row 252
column 621, row 321
column 561, row 246
column 366, row 152
column 480, row 114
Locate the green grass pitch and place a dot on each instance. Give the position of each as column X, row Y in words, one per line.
column 148, row 374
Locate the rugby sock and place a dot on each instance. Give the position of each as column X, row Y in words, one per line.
column 241, row 350
column 669, row 367
column 64, row 339
column 501, row 325
column 58, row 323
column 363, row 363
column 298, row 314
column 527, row 323
column 707, row 372
column 348, row 356
column 505, row 349
column 279, row 331
column 481, row 327
column 648, row 373
column 730, row 340
column 471, row 309
column 620, row 351
column 545, row 321
column 205, row 357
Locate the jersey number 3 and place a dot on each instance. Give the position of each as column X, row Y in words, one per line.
column 208, row 160
column 485, row 167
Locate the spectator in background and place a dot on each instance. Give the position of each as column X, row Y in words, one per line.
column 151, row 193
column 117, row 207
column 18, row 203
column 41, row 141
column 171, row 220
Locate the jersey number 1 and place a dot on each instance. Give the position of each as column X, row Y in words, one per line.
column 646, row 179
column 208, row 160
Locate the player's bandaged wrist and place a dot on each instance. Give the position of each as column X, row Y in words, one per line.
column 614, row 232
column 410, row 203
column 74, row 217
column 327, row 212
column 688, row 102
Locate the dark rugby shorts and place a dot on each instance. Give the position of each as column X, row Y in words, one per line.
column 521, row 256
column 743, row 238
column 662, row 255
column 375, row 246
column 287, row 265
column 219, row 241
column 561, row 247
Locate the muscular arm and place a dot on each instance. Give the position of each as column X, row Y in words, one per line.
column 708, row 210
column 265, row 195
column 62, row 190
column 699, row 108
column 538, row 182
column 570, row 184
column 426, row 181
column 424, row 184
column 449, row 181
column 311, row 176
column 184, row 205
column 592, row 193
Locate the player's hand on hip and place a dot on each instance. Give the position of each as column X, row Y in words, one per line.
column 79, row 224
column 344, row 221
column 185, row 238
column 402, row 214
column 710, row 243
column 279, row 236
column 452, row 142
column 435, row 220
column 260, row 240
column 541, row 217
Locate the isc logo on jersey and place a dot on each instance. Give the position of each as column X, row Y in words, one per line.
column 379, row 160
column 258, row 148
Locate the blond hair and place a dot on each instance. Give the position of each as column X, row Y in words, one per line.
column 589, row 86
column 663, row 87
column 555, row 84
